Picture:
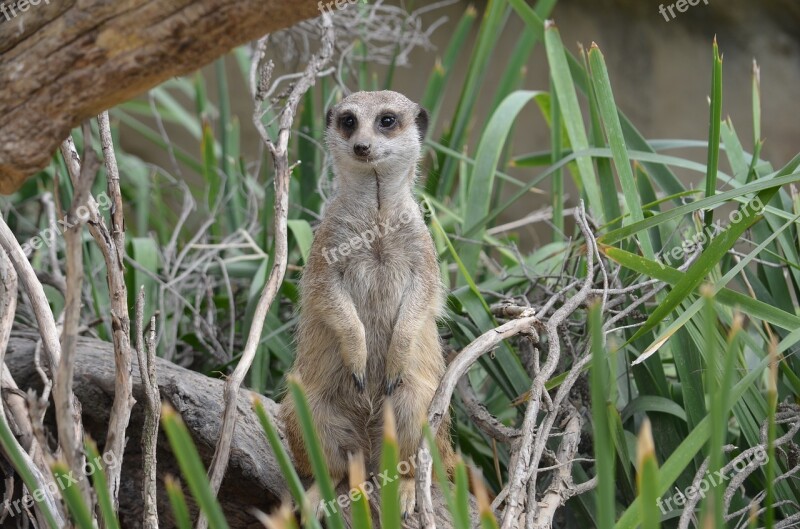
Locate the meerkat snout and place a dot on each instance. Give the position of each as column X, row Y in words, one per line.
column 375, row 131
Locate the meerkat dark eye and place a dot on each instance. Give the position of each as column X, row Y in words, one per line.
column 348, row 122
column 388, row 121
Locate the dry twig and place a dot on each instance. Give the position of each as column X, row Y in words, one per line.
column 280, row 158
column 526, row 454
column 68, row 412
column 15, row 402
column 111, row 244
column 146, row 354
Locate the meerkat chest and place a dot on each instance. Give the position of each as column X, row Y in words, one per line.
column 382, row 258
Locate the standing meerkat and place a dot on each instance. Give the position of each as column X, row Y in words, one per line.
column 370, row 295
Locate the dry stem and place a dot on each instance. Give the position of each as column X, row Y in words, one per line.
column 146, row 354
column 279, row 152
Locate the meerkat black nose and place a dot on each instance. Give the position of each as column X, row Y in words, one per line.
column 361, row 149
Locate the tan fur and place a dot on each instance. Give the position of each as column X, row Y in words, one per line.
column 370, row 315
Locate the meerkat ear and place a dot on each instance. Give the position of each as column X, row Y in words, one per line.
column 328, row 118
column 422, row 122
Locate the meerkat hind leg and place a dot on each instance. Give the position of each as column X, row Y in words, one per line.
column 408, row 496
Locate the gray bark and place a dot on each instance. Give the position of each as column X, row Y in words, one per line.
column 253, row 479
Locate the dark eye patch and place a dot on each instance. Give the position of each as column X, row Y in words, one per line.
column 348, row 122
column 387, row 120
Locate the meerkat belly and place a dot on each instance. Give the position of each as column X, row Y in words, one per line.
column 376, row 281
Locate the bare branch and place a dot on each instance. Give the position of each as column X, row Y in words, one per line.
column 441, row 401
column 68, row 414
column 522, row 459
column 146, row 354
column 112, row 245
column 484, row 420
column 279, row 151
column 562, row 487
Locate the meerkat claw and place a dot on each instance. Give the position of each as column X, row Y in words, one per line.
column 392, row 384
column 360, row 381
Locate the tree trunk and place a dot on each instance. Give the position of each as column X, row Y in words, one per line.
column 253, row 479
column 63, row 62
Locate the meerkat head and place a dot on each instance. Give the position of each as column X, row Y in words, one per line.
column 376, row 133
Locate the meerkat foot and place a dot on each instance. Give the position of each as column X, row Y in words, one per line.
column 316, row 504
column 408, row 497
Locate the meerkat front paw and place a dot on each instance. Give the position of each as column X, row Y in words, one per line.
column 392, row 383
column 394, row 378
column 360, row 380
column 355, row 359
column 359, row 371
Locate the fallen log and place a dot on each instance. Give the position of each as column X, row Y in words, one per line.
column 253, row 479
column 63, row 62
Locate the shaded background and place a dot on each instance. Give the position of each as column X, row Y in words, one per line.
column 660, row 71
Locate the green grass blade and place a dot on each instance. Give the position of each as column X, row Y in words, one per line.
column 210, row 175
column 390, row 492
column 482, row 182
column 604, row 171
column 734, row 151
column 573, row 120
column 315, row 453
column 461, row 514
column 71, row 493
column 662, row 175
column 12, row 450
column 647, row 479
column 309, row 153
column 603, row 443
column 301, row 231
column 712, row 385
column 285, row 463
column 508, row 371
column 490, row 30
column 100, row 485
column 731, row 298
column 720, row 410
column 714, row 130
column 434, row 94
column 226, row 155
column 688, row 313
column 616, row 140
column 772, row 406
column 145, row 252
column 557, row 186
column 652, row 403
column 757, row 186
column 178, row 502
column 192, row 467
column 700, row 269
column 362, row 517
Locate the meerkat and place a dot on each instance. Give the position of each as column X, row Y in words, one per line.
column 370, row 294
